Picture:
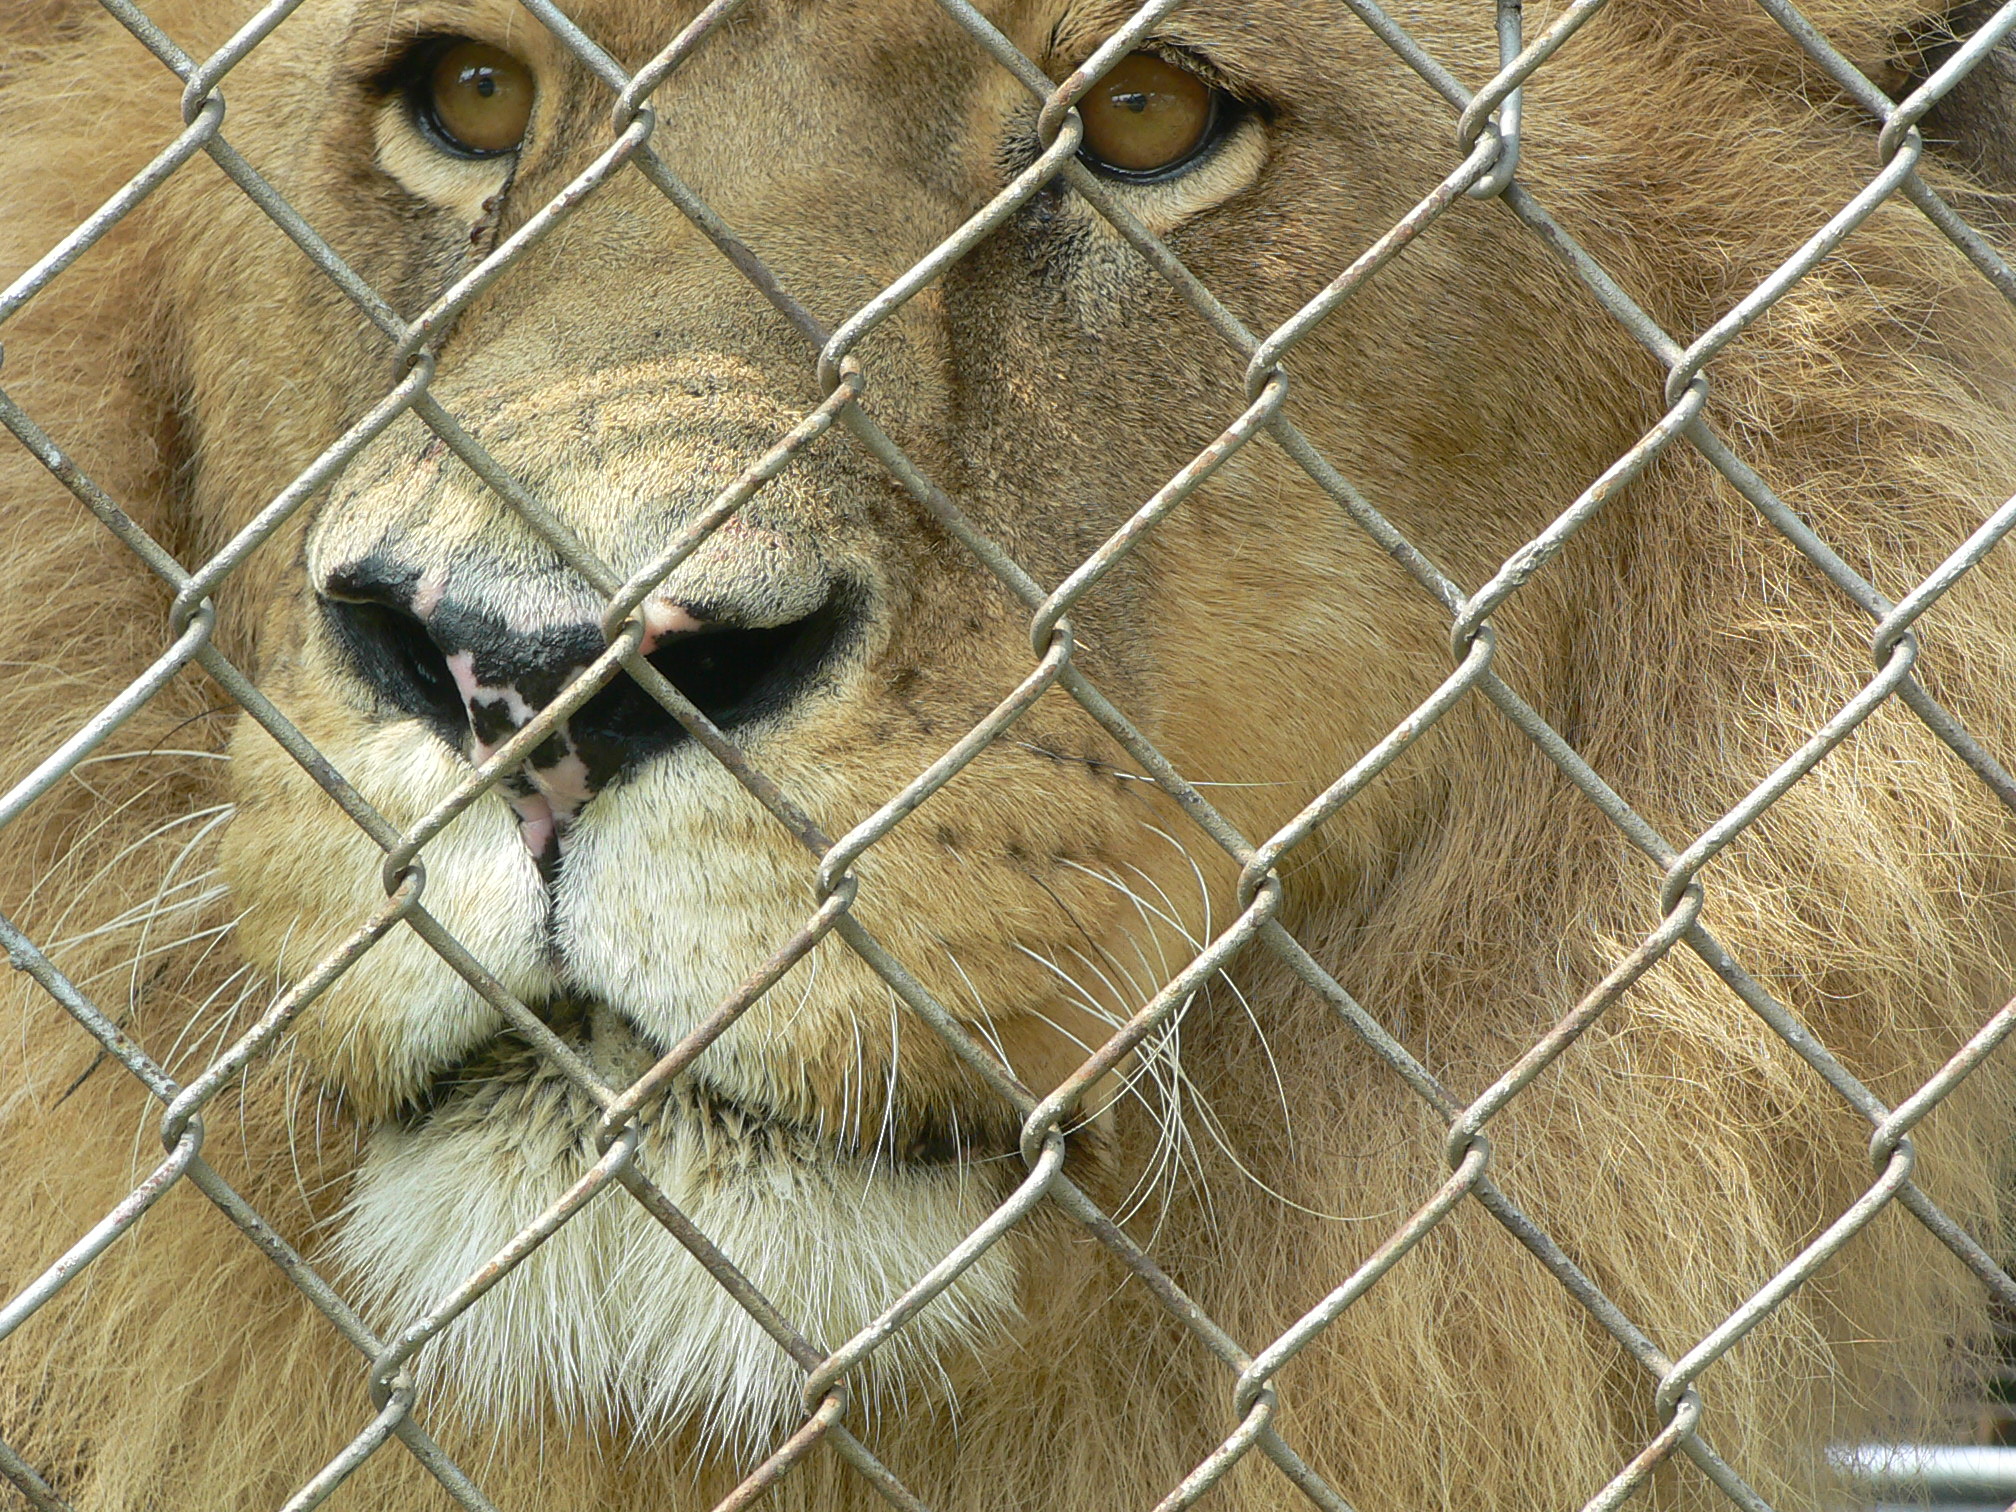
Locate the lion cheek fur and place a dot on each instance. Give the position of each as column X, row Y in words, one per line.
column 400, row 1012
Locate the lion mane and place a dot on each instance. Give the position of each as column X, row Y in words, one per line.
column 1680, row 1153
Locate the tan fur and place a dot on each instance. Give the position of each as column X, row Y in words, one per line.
column 1680, row 1152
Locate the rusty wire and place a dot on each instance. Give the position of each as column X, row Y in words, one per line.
column 1484, row 152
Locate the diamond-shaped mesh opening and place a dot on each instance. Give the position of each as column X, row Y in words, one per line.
column 1865, row 685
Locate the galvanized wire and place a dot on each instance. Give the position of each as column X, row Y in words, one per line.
column 1486, row 130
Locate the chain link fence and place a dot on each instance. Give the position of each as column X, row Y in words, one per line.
column 1483, row 161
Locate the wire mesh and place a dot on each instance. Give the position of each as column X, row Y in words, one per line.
column 1484, row 161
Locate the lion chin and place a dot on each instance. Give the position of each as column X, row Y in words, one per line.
column 606, row 1322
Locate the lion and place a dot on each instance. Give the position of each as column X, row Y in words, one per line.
column 621, row 882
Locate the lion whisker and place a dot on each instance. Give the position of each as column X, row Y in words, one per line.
column 1165, row 1110
column 218, row 815
column 152, row 751
column 84, row 887
column 196, row 896
column 1245, row 1004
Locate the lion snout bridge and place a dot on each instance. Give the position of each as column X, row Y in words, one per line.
column 478, row 669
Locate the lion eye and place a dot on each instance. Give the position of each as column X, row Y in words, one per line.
column 477, row 99
column 1148, row 117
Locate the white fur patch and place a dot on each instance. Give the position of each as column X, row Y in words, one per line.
column 612, row 1323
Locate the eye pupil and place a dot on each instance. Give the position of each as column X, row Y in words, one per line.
column 1147, row 117
column 476, row 100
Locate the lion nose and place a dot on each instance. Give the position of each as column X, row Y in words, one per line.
column 478, row 676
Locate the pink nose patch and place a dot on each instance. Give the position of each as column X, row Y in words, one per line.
column 548, row 790
column 662, row 619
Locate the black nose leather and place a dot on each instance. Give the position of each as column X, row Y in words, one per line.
column 390, row 650
column 734, row 675
column 477, row 676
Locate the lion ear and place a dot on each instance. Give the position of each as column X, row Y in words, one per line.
column 1974, row 125
column 1899, row 44
column 1881, row 36
column 1846, row 20
column 32, row 23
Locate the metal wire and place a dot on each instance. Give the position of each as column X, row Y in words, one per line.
column 1486, row 131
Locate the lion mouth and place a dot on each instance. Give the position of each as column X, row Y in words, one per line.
column 508, row 1081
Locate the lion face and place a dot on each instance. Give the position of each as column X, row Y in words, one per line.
column 1676, row 1106
column 622, row 881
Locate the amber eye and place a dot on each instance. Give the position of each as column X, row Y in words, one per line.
column 1148, row 117
column 477, row 99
